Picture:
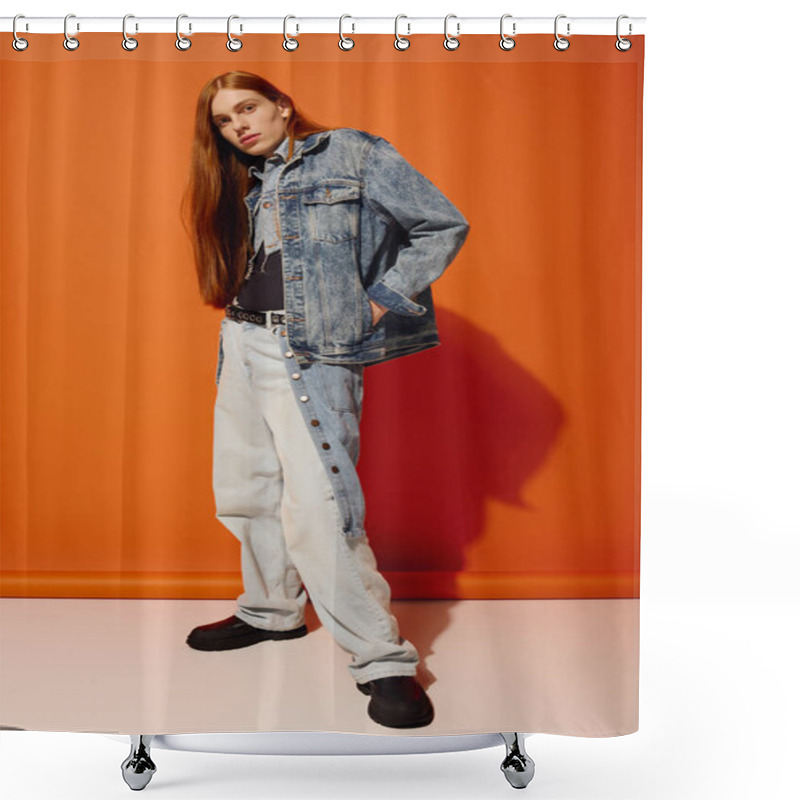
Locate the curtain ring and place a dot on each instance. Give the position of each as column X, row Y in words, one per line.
column 345, row 42
column 182, row 43
column 623, row 45
column 561, row 43
column 128, row 42
column 70, row 42
column 289, row 43
column 233, row 44
column 17, row 43
column 451, row 42
column 506, row 42
column 400, row 42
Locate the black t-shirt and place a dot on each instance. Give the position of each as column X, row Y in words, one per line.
column 263, row 289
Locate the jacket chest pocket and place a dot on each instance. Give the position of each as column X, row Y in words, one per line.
column 333, row 212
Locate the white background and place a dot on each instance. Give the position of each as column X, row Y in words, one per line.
column 719, row 607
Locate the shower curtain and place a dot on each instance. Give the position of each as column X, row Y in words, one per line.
column 499, row 462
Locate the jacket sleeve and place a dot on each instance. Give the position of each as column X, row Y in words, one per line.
column 436, row 229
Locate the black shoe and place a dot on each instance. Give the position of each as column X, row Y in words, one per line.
column 398, row 702
column 230, row 633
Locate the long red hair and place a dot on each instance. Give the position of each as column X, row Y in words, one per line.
column 212, row 210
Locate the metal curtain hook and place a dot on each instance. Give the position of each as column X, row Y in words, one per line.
column 451, row 42
column 289, row 43
column 400, row 42
column 623, row 45
column 233, row 44
column 70, row 42
column 17, row 43
column 561, row 43
column 182, row 43
column 506, row 42
column 345, row 42
column 128, row 42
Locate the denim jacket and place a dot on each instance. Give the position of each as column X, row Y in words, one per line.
column 357, row 221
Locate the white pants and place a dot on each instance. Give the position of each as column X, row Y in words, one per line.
column 273, row 493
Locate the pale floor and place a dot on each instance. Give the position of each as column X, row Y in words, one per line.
column 122, row 666
column 719, row 703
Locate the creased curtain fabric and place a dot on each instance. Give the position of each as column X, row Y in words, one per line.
column 500, row 469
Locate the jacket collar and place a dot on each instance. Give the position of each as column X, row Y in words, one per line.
column 301, row 147
column 312, row 141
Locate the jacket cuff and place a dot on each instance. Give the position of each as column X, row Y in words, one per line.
column 390, row 298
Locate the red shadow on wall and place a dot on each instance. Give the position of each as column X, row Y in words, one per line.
column 443, row 432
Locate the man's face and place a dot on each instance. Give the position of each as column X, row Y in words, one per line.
column 249, row 121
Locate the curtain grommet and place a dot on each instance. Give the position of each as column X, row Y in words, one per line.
column 345, row 42
column 560, row 42
column 71, row 42
column 129, row 42
column 233, row 44
column 507, row 42
column 622, row 44
column 182, row 43
column 290, row 44
column 400, row 42
column 451, row 42
column 18, row 43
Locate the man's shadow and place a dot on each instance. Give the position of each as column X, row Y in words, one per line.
column 443, row 432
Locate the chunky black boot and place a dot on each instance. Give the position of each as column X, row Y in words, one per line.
column 398, row 702
column 230, row 633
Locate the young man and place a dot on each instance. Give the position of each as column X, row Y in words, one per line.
column 325, row 268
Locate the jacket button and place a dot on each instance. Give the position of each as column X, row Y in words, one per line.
column 326, row 446
column 304, row 398
column 283, row 332
column 334, row 469
column 266, row 205
column 295, row 376
column 288, row 354
column 315, row 422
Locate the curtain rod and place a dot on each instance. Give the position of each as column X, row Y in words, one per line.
column 407, row 26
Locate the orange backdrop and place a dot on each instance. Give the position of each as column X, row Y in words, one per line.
column 503, row 464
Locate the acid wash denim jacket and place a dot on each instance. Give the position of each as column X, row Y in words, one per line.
column 357, row 221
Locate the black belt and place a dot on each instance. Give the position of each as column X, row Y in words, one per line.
column 258, row 317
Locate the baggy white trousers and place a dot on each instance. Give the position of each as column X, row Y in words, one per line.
column 273, row 493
